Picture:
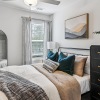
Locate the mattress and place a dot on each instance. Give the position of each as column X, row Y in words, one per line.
column 84, row 82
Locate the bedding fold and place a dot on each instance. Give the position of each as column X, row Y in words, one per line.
column 67, row 85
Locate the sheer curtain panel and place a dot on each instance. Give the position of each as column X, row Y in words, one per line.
column 47, row 36
column 26, row 41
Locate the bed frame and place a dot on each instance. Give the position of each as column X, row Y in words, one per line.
column 77, row 49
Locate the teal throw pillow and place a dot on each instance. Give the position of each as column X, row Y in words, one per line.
column 61, row 56
column 67, row 64
column 52, row 56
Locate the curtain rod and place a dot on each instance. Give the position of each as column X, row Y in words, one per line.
column 37, row 19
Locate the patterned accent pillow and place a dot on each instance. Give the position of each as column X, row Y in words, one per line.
column 79, row 65
column 50, row 65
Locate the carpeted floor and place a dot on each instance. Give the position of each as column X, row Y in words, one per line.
column 86, row 96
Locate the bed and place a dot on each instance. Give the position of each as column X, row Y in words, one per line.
column 85, row 80
column 38, row 75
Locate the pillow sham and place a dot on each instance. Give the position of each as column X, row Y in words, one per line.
column 87, row 66
column 79, row 65
column 52, row 56
column 61, row 56
column 50, row 65
column 67, row 64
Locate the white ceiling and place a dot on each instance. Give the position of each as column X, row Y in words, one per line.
column 41, row 7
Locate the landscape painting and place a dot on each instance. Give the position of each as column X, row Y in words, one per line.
column 76, row 27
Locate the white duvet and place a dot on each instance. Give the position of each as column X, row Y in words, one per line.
column 30, row 73
column 84, row 82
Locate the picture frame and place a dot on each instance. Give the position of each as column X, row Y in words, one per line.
column 77, row 27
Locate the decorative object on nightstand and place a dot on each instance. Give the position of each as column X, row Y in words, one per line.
column 52, row 45
column 95, row 72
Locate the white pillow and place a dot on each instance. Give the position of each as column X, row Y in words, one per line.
column 87, row 66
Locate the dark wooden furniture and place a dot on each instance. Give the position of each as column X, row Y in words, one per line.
column 86, row 96
column 95, row 71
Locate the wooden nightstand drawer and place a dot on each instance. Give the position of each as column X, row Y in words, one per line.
column 95, row 66
column 94, row 98
column 95, row 52
column 95, row 78
column 95, row 91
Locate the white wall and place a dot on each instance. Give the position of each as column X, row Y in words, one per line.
column 11, row 24
column 80, row 7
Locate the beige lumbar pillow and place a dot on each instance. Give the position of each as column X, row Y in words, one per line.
column 79, row 65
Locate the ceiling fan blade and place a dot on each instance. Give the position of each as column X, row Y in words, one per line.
column 54, row 2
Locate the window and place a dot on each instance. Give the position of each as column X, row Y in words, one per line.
column 37, row 38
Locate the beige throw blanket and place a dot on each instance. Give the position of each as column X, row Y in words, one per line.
column 67, row 85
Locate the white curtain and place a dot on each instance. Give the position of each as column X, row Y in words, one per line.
column 27, row 38
column 27, row 41
column 47, row 36
column 50, row 31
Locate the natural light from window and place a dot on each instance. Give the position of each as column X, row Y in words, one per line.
column 37, row 39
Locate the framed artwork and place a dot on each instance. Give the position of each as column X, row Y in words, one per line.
column 77, row 27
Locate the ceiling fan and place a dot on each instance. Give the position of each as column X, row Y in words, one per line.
column 34, row 2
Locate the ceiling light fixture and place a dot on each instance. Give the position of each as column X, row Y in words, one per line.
column 30, row 2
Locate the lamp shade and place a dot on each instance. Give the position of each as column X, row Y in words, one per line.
column 51, row 45
column 30, row 2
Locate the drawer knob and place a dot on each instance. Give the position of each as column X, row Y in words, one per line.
column 98, row 66
column 98, row 93
column 98, row 52
column 99, row 80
